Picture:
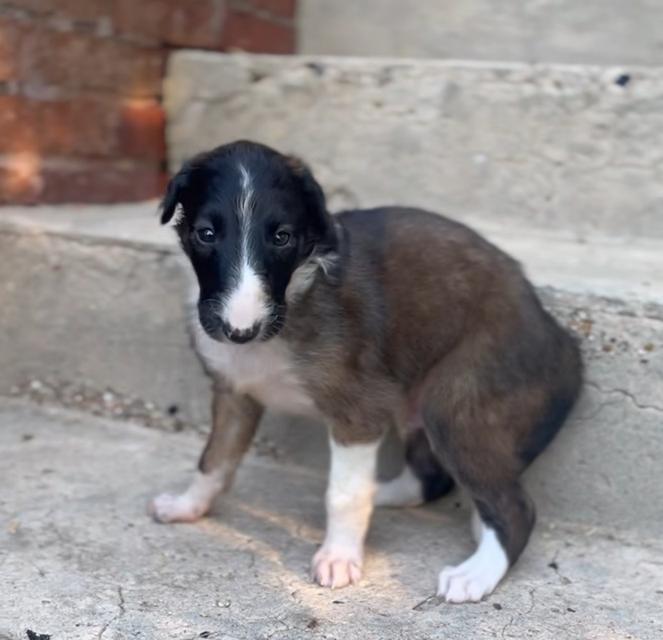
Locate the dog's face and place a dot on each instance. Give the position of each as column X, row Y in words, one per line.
column 255, row 227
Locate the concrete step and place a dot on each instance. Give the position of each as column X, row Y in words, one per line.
column 81, row 559
column 92, row 297
column 572, row 148
column 606, row 32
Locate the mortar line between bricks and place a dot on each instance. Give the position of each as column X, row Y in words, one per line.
column 241, row 6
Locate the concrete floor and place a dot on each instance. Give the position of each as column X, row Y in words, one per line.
column 80, row 560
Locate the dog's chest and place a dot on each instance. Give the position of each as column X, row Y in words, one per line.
column 264, row 370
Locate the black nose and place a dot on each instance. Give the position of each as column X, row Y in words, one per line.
column 241, row 336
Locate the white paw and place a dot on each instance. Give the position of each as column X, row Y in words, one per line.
column 171, row 508
column 403, row 491
column 458, row 584
column 336, row 568
column 478, row 575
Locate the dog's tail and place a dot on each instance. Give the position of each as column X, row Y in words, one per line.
column 423, row 478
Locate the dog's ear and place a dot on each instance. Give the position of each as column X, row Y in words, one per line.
column 174, row 193
column 328, row 233
column 315, row 197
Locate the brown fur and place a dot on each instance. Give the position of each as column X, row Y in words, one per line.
column 235, row 420
column 412, row 321
column 433, row 326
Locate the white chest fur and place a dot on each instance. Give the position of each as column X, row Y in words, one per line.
column 263, row 370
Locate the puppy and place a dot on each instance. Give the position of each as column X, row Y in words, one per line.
column 368, row 319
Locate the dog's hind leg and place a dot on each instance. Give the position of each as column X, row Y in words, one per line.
column 478, row 441
column 234, row 422
column 502, row 526
column 422, row 479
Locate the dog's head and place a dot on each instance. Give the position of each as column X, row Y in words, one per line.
column 256, row 229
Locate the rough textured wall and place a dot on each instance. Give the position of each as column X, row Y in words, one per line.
column 572, row 148
column 573, row 31
column 80, row 87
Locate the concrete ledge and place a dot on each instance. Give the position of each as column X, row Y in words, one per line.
column 604, row 32
column 602, row 265
column 546, row 146
column 94, row 297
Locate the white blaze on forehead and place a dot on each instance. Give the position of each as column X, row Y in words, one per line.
column 246, row 199
column 246, row 305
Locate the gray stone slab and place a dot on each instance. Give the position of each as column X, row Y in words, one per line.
column 594, row 32
column 547, row 146
column 87, row 310
column 84, row 303
column 80, row 560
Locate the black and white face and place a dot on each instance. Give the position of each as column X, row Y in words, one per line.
column 255, row 227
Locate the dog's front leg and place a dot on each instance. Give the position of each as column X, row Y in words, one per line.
column 349, row 500
column 234, row 422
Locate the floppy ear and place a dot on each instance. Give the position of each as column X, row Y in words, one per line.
column 312, row 190
column 174, row 194
column 327, row 244
column 315, row 203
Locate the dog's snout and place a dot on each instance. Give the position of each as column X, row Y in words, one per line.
column 240, row 336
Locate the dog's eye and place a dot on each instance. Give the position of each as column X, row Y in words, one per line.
column 205, row 235
column 281, row 238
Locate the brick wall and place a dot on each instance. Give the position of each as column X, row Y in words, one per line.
column 80, row 88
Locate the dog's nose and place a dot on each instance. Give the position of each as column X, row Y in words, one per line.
column 240, row 336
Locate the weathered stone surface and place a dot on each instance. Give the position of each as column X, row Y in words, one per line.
column 550, row 147
column 603, row 32
column 94, row 296
column 77, row 311
column 82, row 561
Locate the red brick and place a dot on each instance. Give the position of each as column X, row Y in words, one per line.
column 188, row 24
column 81, row 127
column 141, row 131
column 75, row 10
column 10, row 32
column 85, row 126
column 145, row 19
column 73, row 61
column 195, row 24
column 82, row 10
column 20, row 179
column 28, row 180
column 101, row 182
column 249, row 32
column 18, row 125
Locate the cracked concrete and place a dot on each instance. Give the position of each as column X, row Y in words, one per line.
column 120, row 613
column 80, row 559
column 548, row 146
column 626, row 394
